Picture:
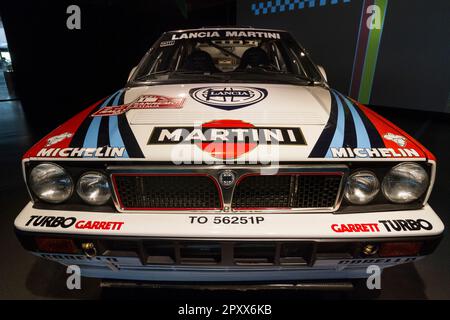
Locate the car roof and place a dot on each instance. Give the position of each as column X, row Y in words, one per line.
column 226, row 28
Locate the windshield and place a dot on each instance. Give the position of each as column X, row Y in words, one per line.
column 226, row 56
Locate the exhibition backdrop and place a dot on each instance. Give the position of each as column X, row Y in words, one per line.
column 381, row 52
column 59, row 71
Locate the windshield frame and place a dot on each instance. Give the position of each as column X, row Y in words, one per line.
column 228, row 77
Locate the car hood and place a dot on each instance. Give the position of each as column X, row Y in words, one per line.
column 243, row 123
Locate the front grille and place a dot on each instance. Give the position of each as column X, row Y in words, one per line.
column 147, row 192
column 193, row 189
column 231, row 253
column 287, row 191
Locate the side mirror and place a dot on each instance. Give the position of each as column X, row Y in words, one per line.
column 322, row 71
column 131, row 73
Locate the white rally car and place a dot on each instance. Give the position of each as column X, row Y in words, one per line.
column 227, row 158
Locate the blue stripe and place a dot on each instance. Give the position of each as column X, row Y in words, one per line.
column 338, row 138
column 362, row 137
column 116, row 99
column 90, row 140
column 115, row 139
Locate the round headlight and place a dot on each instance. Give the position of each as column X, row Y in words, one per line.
column 362, row 187
column 405, row 183
column 50, row 183
column 93, row 188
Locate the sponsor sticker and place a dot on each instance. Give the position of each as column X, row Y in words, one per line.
column 228, row 98
column 65, row 223
column 374, row 153
column 103, row 152
column 167, row 43
column 143, row 102
column 398, row 225
column 355, row 227
column 54, row 140
column 399, row 140
column 227, row 139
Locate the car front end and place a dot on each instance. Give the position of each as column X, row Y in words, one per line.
column 217, row 169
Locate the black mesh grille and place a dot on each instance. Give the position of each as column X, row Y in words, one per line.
column 177, row 192
column 287, row 191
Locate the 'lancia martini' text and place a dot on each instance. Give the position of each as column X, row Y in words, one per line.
column 227, row 34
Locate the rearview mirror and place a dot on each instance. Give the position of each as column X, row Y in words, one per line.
column 131, row 73
column 322, row 71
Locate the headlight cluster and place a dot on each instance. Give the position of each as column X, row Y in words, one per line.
column 362, row 187
column 93, row 188
column 51, row 183
column 403, row 184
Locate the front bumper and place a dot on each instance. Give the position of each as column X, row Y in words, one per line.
column 123, row 241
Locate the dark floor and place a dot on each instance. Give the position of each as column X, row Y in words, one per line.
column 22, row 276
column 4, row 93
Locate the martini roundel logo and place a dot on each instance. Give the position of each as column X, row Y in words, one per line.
column 228, row 98
column 237, row 142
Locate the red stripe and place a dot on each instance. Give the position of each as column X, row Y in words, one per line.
column 70, row 126
column 384, row 126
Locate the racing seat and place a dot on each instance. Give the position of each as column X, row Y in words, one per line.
column 199, row 61
column 254, row 57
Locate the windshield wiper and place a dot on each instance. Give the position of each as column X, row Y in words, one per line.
column 191, row 72
column 196, row 73
column 263, row 70
column 174, row 73
column 310, row 81
column 147, row 76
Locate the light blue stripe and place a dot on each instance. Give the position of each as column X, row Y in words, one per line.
column 338, row 138
column 116, row 99
column 91, row 138
column 115, row 139
column 362, row 137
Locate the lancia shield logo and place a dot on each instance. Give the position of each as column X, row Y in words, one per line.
column 228, row 98
column 227, row 178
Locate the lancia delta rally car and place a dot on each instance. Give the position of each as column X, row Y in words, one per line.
column 228, row 158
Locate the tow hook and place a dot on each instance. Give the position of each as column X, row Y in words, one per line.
column 89, row 249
